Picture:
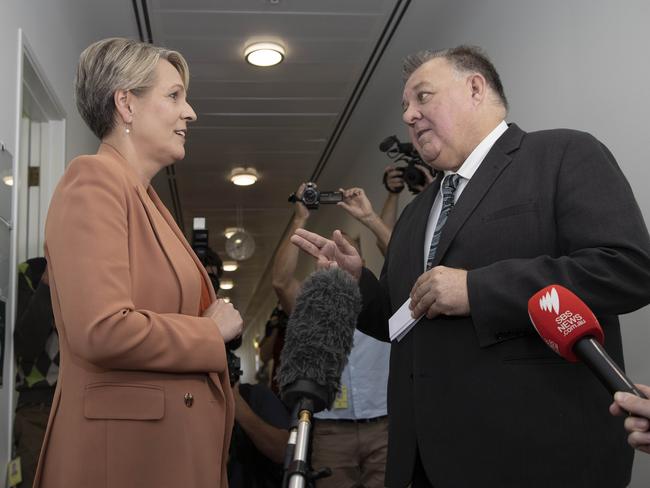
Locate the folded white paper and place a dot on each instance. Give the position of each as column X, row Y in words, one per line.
column 401, row 322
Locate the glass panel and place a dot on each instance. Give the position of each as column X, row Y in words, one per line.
column 34, row 248
column 6, row 187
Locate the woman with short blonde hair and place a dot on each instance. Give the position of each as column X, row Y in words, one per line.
column 143, row 398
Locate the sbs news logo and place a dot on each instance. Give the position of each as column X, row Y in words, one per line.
column 550, row 301
column 566, row 322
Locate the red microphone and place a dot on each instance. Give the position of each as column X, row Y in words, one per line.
column 571, row 329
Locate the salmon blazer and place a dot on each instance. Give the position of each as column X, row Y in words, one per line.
column 143, row 398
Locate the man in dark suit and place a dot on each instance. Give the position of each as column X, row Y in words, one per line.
column 475, row 397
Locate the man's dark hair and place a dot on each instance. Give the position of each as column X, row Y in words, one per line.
column 464, row 59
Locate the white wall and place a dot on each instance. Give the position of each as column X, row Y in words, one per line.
column 581, row 64
column 57, row 31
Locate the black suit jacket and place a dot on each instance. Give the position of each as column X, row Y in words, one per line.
column 482, row 398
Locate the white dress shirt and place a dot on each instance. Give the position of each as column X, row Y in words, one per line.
column 466, row 171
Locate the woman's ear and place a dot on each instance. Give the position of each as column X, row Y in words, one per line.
column 124, row 105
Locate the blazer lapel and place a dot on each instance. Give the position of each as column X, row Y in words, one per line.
column 494, row 163
column 179, row 234
column 188, row 307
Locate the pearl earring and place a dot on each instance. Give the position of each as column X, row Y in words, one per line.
column 127, row 130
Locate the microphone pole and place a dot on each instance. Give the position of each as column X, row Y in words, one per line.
column 603, row 367
column 309, row 398
column 321, row 325
column 291, row 445
column 299, row 467
column 571, row 329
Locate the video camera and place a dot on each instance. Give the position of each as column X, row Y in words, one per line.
column 405, row 152
column 209, row 259
column 214, row 266
column 312, row 198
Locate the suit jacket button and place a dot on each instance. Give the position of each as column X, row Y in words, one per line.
column 189, row 399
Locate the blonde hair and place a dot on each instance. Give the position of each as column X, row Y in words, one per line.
column 117, row 64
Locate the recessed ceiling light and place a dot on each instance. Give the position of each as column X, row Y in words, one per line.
column 243, row 176
column 226, row 284
column 230, row 265
column 264, row 54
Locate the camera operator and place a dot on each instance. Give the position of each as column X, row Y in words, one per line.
column 394, row 183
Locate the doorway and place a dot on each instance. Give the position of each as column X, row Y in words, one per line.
column 36, row 167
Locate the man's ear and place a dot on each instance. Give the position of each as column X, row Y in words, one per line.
column 124, row 105
column 478, row 87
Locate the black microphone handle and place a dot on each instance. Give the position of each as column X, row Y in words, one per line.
column 590, row 352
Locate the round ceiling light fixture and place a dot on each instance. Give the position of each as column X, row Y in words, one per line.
column 230, row 265
column 244, row 176
column 240, row 246
column 264, row 54
column 226, row 284
column 230, row 231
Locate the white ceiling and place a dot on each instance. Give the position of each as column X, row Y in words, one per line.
column 280, row 120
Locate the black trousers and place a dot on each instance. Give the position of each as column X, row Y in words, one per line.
column 420, row 479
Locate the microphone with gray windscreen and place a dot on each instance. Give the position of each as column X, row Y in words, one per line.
column 317, row 343
column 319, row 338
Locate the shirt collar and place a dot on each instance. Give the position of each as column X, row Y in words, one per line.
column 476, row 157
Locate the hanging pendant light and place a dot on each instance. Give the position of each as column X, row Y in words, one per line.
column 240, row 245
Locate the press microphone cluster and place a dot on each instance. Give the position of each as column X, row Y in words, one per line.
column 572, row 330
column 318, row 341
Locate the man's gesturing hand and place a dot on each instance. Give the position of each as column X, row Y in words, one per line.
column 329, row 252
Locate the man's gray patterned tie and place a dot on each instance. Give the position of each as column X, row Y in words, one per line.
column 449, row 185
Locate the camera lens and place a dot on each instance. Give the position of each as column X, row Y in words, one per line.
column 310, row 196
column 413, row 177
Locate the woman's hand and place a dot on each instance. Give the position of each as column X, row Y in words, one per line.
column 227, row 318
